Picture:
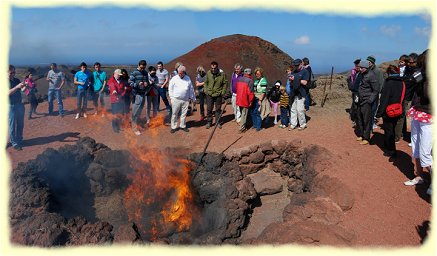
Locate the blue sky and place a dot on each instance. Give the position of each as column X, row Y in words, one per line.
column 113, row 35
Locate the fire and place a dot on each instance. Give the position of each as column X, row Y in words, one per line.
column 159, row 197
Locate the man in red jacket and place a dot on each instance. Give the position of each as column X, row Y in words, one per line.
column 245, row 96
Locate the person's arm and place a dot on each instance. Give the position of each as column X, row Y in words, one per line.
column 62, row 82
column 165, row 81
column 104, row 82
column 16, row 88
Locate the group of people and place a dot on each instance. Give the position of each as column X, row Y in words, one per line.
column 404, row 92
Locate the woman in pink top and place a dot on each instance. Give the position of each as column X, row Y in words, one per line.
column 30, row 90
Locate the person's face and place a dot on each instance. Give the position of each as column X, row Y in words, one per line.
column 97, row 67
column 11, row 73
column 258, row 74
column 402, row 63
column 160, row 67
column 411, row 63
column 181, row 74
column 124, row 74
column 30, row 76
column 238, row 70
column 83, row 68
column 142, row 67
column 117, row 76
column 214, row 68
column 52, row 67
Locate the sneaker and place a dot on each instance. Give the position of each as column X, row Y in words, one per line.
column 301, row 128
column 138, row 133
column 185, row 129
column 208, row 125
column 77, row 116
column 291, row 127
column 409, row 144
column 219, row 126
column 275, row 122
column 172, row 130
column 18, row 147
column 85, row 115
column 359, row 138
column 364, row 142
column 416, row 181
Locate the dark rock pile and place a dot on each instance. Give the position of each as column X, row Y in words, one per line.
column 74, row 196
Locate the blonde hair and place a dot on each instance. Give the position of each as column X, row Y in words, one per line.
column 260, row 70
column 200, row 68
column 178, row 64
column 282, row 88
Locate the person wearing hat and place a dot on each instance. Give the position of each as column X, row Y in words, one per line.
column 273, row 95
column 82, row 79
column 368, row 93
column 117, row 90
column 380, row 80
column 298, row 78
column 352, row 84
column 245, row 96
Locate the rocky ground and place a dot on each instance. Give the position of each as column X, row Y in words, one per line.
column 384, row 213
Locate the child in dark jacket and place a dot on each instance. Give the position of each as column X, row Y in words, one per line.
column 283, row 104
column 273, row 96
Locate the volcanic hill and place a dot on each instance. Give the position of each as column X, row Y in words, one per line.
column 250, row 51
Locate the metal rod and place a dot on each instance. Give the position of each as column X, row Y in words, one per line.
column 210, row 136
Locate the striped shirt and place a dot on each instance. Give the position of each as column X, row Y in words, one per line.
column 283, row 101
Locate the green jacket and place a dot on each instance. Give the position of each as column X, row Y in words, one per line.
column 215, row 86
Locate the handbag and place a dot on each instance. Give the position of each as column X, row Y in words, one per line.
column 395, row 109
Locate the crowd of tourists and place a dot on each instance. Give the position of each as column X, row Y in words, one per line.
column 402, row 93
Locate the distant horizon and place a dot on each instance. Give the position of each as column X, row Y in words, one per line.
column 326, row 39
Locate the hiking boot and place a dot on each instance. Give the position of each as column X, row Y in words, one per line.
column 185, row 129
column 77, row 116
column 208, row 125
column 219, row 126
column 172, row 130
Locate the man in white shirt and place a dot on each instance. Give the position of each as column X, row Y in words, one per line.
column 181, row 91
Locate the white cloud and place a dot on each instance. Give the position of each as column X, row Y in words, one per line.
column 302, row 40
column 424, row 31
column 390, row 30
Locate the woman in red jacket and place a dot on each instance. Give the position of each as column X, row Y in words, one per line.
column 117, row 90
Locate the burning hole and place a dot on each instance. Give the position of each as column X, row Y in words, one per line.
column 89, row 194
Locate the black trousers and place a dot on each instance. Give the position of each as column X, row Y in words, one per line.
column 202, row 97
column 365, row 118
column 389, row 133
column 210, row 103
column 354, row 109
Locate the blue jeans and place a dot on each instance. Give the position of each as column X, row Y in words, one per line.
column 256, row 115
column 96, row 96
column 152, row 101
column 16, row 123
column 82, row 100
column 51, row 94
column 284, row 116
column 163, row 96
column 307, row 100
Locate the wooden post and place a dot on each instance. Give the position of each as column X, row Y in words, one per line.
column 325, row 94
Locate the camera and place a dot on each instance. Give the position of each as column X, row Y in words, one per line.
column 418, row 76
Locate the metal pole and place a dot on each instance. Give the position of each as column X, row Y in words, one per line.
column 210, row 136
